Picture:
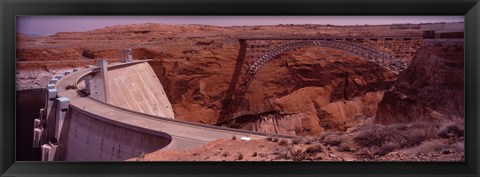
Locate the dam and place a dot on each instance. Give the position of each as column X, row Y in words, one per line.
column 113, row 112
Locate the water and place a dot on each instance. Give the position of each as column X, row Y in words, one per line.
column 28, row 104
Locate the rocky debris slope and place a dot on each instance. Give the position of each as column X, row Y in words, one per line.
column 431, row 89
column 396, row 142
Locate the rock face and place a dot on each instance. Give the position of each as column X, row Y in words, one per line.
column 311, row 90
column 35, row 75
column 47, row 54
column 431, row 89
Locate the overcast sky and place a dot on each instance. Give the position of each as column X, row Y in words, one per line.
column 48, row 25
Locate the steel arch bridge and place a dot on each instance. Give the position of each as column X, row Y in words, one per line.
column 392, row 53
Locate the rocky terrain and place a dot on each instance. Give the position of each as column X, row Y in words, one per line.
column 312, row 92
column 431, row 89
column 399, row 142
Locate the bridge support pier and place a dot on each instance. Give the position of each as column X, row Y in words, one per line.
column 61, row 112
column 225, row 113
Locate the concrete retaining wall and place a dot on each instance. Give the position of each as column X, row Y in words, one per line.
column 90, row 139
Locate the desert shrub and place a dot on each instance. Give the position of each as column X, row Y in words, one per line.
column 240, row 157
column 225, row 154
column 296, row 140
column 329, row 133
column 392, row 137
column 298, row 155
column 308, row 140
column 459, row 146
column 332, row 140
column 234, row 137
column 346, row 145
column 324, row 134
column 369, row 152
column 315, row 149
column 426, row 146
column 283, row 142
column 370, row 137
column 269, row 138
column 416, row 136
column 451, row 129
column 275, row 139
column 254, row 154
column 282, row 155
column 386, row 148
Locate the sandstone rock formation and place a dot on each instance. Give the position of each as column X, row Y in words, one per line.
column 311, row 90
column 431, row 89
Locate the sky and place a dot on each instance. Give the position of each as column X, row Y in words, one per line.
column 49, row 25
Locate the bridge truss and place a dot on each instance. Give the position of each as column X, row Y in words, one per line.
column 391, row 52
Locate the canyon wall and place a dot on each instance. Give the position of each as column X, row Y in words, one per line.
column 311, row 90
column 431, row 89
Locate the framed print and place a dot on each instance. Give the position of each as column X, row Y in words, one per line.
column 240, row 88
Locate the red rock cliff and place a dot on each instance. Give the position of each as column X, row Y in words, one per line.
column 431, row 89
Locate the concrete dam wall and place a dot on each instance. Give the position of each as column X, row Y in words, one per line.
column 137, row 88
column 115, row 112
column 91, row 139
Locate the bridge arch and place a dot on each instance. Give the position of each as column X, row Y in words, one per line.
column 242, row 80
column 381, row 58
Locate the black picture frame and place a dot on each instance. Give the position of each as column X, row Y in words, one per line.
column 9, row 9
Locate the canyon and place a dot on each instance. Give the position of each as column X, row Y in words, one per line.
column 195, row 64
column 311, row 91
